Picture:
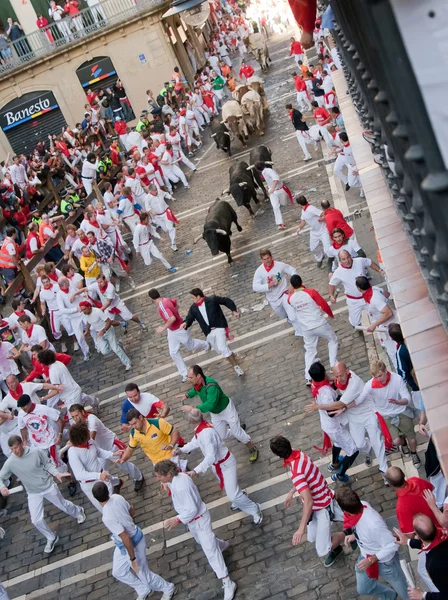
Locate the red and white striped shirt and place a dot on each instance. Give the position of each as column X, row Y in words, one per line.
column 304, row 474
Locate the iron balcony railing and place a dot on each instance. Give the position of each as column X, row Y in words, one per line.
column 389, row 103
column 57, row 34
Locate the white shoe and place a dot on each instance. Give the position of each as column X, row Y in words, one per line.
column 168, row 596
column 238, row 370
column 184, row 378
column 75, row 347
column 145, row 596
column 229, row 590
column 132, row 283
column 129, row 367
column 63, row 347
column 174, row 248
column 81, row 517
column 2, row 533
column 362, row 195
column 87, row 357
column 225, row 546
column 49, row 546
column 307, row 158
column 208, row 348
column 258, row 518
column 117, row 287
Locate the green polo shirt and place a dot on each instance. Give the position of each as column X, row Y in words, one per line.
column 213, row 398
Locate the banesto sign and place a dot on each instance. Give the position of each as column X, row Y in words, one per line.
column 19, row 111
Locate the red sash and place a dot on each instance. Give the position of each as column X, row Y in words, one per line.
column 170, row 216
column 388, row 441
column 286, row 189
column 326, row 445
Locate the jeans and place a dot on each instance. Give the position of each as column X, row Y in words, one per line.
column 108, row 343
column 392, row 573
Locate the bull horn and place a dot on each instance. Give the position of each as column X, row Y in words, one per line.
column 223, row 122
column 221, row 231
column 225, row 192
column 242, row 184
column 250, row 167
column 213, row 135
column 269, row 162
column 196, row 240
column 226, row 133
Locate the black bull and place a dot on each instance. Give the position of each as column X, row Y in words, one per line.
column 243, row 185
column 221, row 135
column 218, row 228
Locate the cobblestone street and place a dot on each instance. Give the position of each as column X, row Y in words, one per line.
column 270, row 397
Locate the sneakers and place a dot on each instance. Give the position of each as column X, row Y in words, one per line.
column 124, row 326
column 238, row 370
column 405, row 449
column 117, row 286
column 72, row 488
column 308, row 382
column 138, row 484
column 333, row 556
column 87, row 357
column 333, row 469
column 368, row 461
column 169, row 595
column 75, row 347
column 128, row 367
column 281, row 227
column 2, row 533
column 63, row 347
column 208, row 348
column 258, row 518
column 81, row 517
column 386, row 483
column 225, row 545
column 347, row 187
column 49, row 546
column 174, row 248
column 229, row 590
column 184, row 378
column 172, row 270
column 118, row 487
column 307, row 158
column 143, row 326
column 150, row 593
column 340, row 478
column 415, row 459
column 391, row 450
column 253, row 456
column 132, row 283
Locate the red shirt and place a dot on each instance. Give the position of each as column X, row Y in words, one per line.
column 335, row 219
column 247, row 71
column 411, row 502
column 296, row 48
column 39, row 369
column 300, row 84
column 72, row 8
column 304, row 13
column 168, row 308
column 120, row 127
column 305, row 475
column 321, row 114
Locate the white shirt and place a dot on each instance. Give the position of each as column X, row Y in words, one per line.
column 141, row 237
column 106, row 220
column 156, row 204
column 145, row 405
column 97, row 319
column 348, row 276
column 373, row 535
column 327, row 395
column 59, row 374
column 108, row 294
column 33, row 244
column 8, row 404
column 365, row 406
column 210, row 444
column 308, row 313
column 280, row 272
column 395, row 390
column 74, row 285
column 85, row 462
column 13, row 319
column 377, row 303
column 270, row 176
column 38, row 335
column 41, row 424
column 351, row 246
column 136, row 186
column 89, row 169
column 49, row 296
column 126, row 207
column 64, row 305
column 311, row 217
column 18, row 174
column 104, row 437
column 186, row 499
column 77, row 247
column 7, row 365
column 28, row 388
column 116, row 516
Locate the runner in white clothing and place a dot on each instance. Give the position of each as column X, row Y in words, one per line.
column 86, row 460
column 106, row 440
column 271, row 278
column 130, row 565
column 171, row 170
column 218, row 456
column 144, row 245
column 279, row 194
column 347, row 272
column 32, row 334
column 69, row 313
column 48, row 303
column 319, row 238
column 88, row 172
column 126, row 210
column 134, row 184
column 174, row 138
column 381, row 315
column 309, row 307
column 161, row 215
column 361, row 415
column 192, row 512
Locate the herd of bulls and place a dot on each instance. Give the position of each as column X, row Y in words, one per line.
column 244, row 181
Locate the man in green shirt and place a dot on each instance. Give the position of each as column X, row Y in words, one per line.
column 223, row 413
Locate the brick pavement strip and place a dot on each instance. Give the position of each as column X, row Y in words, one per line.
column 270, row 399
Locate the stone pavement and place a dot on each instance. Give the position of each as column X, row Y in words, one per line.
column 270, row 399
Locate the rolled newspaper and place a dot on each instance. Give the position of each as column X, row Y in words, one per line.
column 407, row 573
column 16, row 490
column 361, row 328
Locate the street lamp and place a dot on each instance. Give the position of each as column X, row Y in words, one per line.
column 194, row 12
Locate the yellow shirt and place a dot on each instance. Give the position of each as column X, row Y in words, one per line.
column 158, row 433
column 85, row 262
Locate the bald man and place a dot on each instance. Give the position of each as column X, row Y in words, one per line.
column 361, row 416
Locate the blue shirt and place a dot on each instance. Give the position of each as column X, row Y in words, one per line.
column 124, row 411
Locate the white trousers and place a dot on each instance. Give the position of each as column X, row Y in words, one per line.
column 166, row 225
column 36, row 508
column 77, row 325
column 186, row 161
column 283, row 310
column 319, row 529
column 233, row 490
column 320, row 100
column 358, row 430
column 227, row 424
column 319, row 242
column 128, row 467
column 108, row 343
column 201, row 530
column 88, row 186
column 3, row 593
column 389, row 345
column 276, row 198
column 145, row 581
column 355, row 308
column 87, row 489
column 310, row 340
column 303, row 101
column 353, row 180
column 183, row 337
column 174, row 174
column 340, row 436
column 338, row 169
column 218, row 341
column 132, row 221
column 298, row 57
column 304, row 138
column 150, row 250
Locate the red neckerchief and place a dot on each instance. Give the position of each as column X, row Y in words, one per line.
column 306, row 206
column 295, row 454
column 290, row 114
column 70, row 276
column 198, row 387
column 84, row 239
column 65, row 291
column 95, row 224
column 29, row 331
column 367, row 295
column 441, row 536
column 267, row 269
column 19, row 313
column 19, row 391
column 341, row 386
column 103, row 288
column 344, row 267
column 317, row 385
column 378, row 385
column 86, row 446
column 336, row 246
column 346, row 145
column 53, row 276
column 93, row 241
column 201, row 302
column 202, row 425
column 351, row 521
column 170, row 152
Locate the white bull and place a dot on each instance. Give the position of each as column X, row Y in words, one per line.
column 257, row 84
column 258, row 46
column 233, row 117
column 252, row 102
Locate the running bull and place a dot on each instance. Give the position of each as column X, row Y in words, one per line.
column 244, row 184
column 218, row 228
column 221, row 135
